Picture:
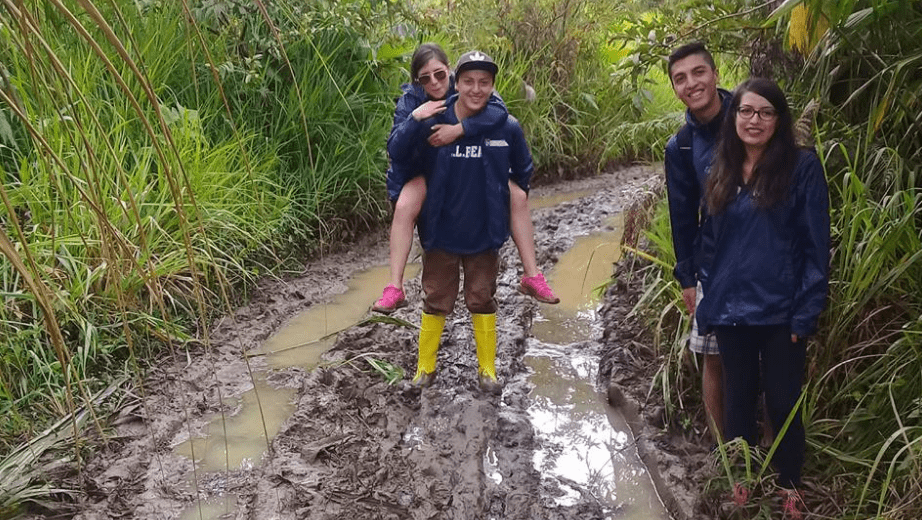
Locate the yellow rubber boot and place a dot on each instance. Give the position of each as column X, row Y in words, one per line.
column 485, row 338
column 430, row 333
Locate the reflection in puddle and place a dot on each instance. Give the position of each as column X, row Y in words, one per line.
column 589, row 445
column 413, row 438
column 302, row 341
column 216, row 508
column 240, row 441
column 491, row 466
column 576, row 278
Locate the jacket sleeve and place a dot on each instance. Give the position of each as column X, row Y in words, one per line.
column 402, row 144
column 521, row 167
column 684, row 197
column 397, row 176
column 491, row 117
column 405, row 133
column 812, row 222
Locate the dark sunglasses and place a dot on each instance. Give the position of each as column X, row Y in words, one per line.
column 439, row 75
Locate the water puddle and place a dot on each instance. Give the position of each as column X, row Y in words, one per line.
column 576, row 279
column 216, row 508
column 491, row 466
column 239, row 441
column 311, row 333
column 549, row 201
column 591, row 448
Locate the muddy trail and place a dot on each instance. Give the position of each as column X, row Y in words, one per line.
column 325, row 435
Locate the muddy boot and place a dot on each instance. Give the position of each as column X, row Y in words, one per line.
column 485, row 337
column 430, row 332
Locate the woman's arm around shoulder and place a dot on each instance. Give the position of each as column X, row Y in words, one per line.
column 404, row 133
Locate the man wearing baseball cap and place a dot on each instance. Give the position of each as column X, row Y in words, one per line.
column 465, row 219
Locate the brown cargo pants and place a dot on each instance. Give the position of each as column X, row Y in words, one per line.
column 441, row 276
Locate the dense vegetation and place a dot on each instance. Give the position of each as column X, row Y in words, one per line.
column 159, row 155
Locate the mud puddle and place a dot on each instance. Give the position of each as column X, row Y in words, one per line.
column 302, row 340
column 589, row 446
column 357, row 447
column 240, row 441
column 577, row 278
column 589, row 443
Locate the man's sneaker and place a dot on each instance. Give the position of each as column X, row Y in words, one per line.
column 391, row 300
column 792, row 504
column 489, row 385
column 537, row 288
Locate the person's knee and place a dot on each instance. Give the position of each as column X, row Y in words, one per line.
column 780, row 401
column 482, row 306
column 439, row 307
column 481, row 298
column 410, row 201
column 713, row 366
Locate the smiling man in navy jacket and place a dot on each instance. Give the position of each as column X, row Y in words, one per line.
column 694, row 78
column 465, row 219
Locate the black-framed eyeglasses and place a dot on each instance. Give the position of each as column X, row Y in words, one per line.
column 439, row 75
column 765, row 114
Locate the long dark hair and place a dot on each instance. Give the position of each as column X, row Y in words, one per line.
column 422, row 55
column 771, row 176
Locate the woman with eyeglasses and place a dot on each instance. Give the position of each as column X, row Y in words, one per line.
column 765, row 249
column 424, row 98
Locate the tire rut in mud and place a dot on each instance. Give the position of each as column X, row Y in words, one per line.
column 357, row 448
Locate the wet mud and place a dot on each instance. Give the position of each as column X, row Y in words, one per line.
column 353, row 446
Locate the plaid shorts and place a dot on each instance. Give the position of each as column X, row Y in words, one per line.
column 697, row 343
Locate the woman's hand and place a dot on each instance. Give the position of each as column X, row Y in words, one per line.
column 445, row 134
column 428, row 109
column 793, row 338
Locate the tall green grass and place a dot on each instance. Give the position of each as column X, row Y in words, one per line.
column 155, row 156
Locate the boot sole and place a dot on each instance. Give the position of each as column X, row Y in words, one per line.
column 425, row 381
column 529, row 292
column 385, row 310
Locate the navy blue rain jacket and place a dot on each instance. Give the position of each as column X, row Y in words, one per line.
column 467, row 191
column 405, row 162
column 769, row 266
column 685, row 189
